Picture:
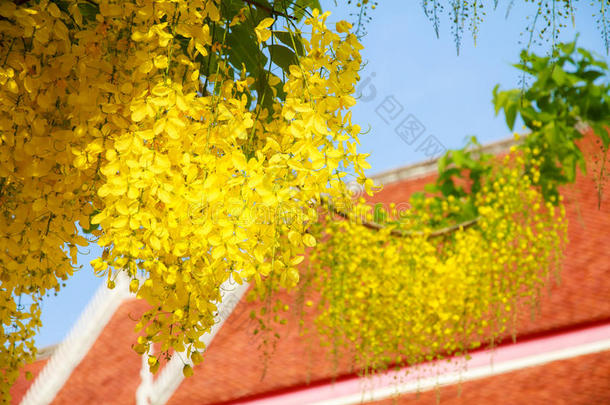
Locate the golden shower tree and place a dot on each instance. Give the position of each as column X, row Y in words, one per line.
column 195, row 140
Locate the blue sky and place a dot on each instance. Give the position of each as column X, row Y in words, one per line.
column 414, row 79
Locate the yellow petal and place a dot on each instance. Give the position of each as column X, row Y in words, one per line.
column 266, row 23
column 309, row 240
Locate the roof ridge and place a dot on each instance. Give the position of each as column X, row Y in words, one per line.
column 46, row 352
column 427, row 167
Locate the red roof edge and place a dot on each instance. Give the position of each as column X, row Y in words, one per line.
column 354, row 376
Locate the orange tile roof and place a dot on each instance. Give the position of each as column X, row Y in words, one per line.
column 22, row 384
column 110, row 373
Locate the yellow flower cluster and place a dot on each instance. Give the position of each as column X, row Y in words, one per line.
column 392, row 299
column 105, row 119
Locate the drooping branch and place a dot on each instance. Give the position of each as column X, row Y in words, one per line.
column 399, row 232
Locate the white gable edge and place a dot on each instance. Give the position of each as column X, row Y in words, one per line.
column 71, row 351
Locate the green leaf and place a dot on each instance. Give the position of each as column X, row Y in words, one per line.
column 299, row 9
column 601, row 130
column 379, row 214
column 430, row 188
column 591, row 75
column 282, row 56
column 498, row 99
column 245, row 49
column 287, row 39
column 510, row 113
column 300, row 6
column 568, row 48
column 448, row 188
column 447, row 174
column 443, row 162
column 210, row 61
column 559, row 76
column 89, row 11
column 263, row 90
column 458, row 157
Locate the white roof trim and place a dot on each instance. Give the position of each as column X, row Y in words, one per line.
column 171, row 375
column 144, row 389
column 426, row 384
column 71, row 351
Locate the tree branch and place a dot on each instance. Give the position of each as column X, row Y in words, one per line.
column 270, row 10
column 399, row 232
